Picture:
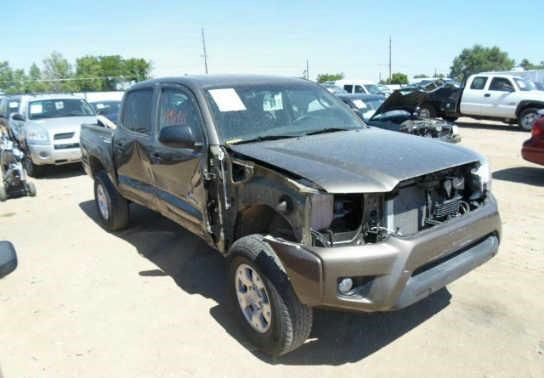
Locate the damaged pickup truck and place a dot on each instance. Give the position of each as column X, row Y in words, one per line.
column 311, row 207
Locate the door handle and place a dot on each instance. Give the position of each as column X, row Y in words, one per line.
column 487, row 95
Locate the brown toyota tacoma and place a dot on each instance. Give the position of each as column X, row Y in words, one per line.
column 311, row 207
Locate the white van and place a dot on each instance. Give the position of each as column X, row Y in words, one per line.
column 359, row 86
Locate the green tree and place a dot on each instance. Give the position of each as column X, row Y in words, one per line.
column 527, row 65
column 12, row 81
column 58, row 73
column 136, row 69
column 89, row 74
column 479, row 59
column 322, row 78
column 112, row 71
column 398, row 78
column 35, row 83
column 420, row 76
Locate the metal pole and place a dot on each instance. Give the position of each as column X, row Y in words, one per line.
column 390, row 73
column 204, row 54
column 307, row 70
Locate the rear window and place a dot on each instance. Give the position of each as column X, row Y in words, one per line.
column 137, row 111
column 478, row 82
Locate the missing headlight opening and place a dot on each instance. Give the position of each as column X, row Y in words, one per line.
column 415, row 205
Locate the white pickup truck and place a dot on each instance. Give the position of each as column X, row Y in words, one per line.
column 488, row 95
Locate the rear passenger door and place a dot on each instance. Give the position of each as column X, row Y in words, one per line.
column 177, row 172
column 474, row 96
column 133, row 147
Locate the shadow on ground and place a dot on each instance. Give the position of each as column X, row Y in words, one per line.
column 61, row 171
column 489, row 126
column 526, row 175
column 336, row 338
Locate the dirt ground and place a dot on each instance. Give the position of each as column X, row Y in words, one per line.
column 150, row 301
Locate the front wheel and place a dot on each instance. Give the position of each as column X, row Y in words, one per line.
column 271, row 315
column 3, row 193
column 427, row 111
column 32, row 169
column 527, row 118
column 30, row 189
column 112, row 208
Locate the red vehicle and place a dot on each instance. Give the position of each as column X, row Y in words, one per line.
column 533, row 149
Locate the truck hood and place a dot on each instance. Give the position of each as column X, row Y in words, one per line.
column 368, row 160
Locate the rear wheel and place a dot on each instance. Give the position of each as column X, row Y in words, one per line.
column 271, row 315
column 30, row 189
column 527, row 118
column 112, row 207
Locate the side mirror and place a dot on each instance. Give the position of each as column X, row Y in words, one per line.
column 177, row 136
column 18, row 117
column 8, row 258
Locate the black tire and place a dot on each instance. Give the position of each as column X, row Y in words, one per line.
column 427, row 111
column 32, row 169
column 450, row 119
column 117, row 206
column 523, row 120
column 3, row 194
column 291, row 321
column 30, row 189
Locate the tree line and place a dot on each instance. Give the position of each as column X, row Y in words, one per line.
column 470, row 61
column 89, row 73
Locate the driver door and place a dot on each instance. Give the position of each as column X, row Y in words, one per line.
column 177, row 172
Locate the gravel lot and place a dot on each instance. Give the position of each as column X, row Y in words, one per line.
column 149, row 302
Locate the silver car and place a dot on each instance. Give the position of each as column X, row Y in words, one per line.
column 47, row 127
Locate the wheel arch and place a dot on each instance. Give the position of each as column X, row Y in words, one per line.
column 528, row 104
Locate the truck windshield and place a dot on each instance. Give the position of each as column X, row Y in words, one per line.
column 373, row 89
column 56, row 108
column 525, row 85
column 249, row 112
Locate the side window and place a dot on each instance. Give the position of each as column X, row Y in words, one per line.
column 501, row 84
column 478, row 82
column 137, row 111
column 348, row 88
column 359, row 89
column 176, row 108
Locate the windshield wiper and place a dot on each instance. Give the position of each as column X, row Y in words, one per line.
column 261, row 139
column 327, row 130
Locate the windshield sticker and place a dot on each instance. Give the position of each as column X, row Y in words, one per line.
column 227, row 100
column 100, row 106
column 59, row 105
column 359, row 104
column 36, row 108
column 13, row 105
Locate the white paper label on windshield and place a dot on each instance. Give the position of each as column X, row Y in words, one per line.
column 59, row 105
column 100, row 106
column 227, row 100
column 36, row 108
column 359, row 104
column 13, row 105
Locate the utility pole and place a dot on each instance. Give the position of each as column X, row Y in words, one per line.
column 204, row 54
column 390, row 73
column 307, row 70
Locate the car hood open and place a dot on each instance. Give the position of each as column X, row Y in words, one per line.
column 402, row 100
column 368, row 160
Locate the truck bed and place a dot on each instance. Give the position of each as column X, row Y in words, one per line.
column 96, row 144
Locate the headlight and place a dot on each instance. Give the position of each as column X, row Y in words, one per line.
column 37, row 136
column 482, row 174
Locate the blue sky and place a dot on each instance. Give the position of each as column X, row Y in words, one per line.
column 273, row 37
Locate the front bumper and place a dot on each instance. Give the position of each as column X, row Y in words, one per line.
column 49, row 154
column 397, row 272
column 533, row 152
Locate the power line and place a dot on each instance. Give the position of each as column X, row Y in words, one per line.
column 390, row 73
column 204, row 54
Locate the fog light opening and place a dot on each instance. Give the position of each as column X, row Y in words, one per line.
column 345, row 285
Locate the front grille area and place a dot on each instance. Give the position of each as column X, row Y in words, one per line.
column 66, row 146
column 448, row 208
column 61, row 136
